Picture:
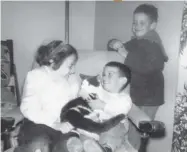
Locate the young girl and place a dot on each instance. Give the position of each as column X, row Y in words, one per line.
column 47, row 89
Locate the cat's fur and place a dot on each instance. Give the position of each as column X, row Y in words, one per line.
column 75, row 111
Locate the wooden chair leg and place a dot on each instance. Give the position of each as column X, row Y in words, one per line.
column 144, row 141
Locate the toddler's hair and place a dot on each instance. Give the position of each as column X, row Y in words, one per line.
column 149, row 10
column 124, row 71
column 54, row 52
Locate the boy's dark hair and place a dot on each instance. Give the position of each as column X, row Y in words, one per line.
column 54, row 51
column 124, row 71
column 149, row 10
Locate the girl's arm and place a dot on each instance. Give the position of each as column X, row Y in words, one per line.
column 31, row 106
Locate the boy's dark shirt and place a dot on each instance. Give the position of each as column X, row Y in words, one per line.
column 146, row 60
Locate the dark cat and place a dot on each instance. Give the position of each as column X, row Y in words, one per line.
column 74, row 113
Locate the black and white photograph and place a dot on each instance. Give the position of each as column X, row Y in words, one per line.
column 93, row 76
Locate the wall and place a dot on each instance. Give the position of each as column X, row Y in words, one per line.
column 29, row 24
column 114, row 19
column 81, row 28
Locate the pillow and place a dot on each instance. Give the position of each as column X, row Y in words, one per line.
column 93, row 80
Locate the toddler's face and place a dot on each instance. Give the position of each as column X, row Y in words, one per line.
column 111, row 79
column 141, row 24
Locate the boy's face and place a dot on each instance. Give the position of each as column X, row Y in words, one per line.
column 141, row 24
column 111, row 79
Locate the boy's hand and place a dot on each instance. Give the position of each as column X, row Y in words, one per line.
column 97, row 105
column 123, row 52
column 88, row 96
column 115, row 44
column 118, row 46
column 91, row 96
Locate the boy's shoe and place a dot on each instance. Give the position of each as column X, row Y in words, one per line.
column 153, row 128
column 74, row 144
column 94, row 146
column 107, row 149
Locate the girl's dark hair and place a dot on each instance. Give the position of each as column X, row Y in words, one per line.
column 54, row 52
column 124, row 71
column 149, row 10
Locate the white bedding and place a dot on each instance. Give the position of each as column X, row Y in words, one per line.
column 92, row 62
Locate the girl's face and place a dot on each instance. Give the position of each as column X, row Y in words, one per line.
column 141, row 24
column 68, row 66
